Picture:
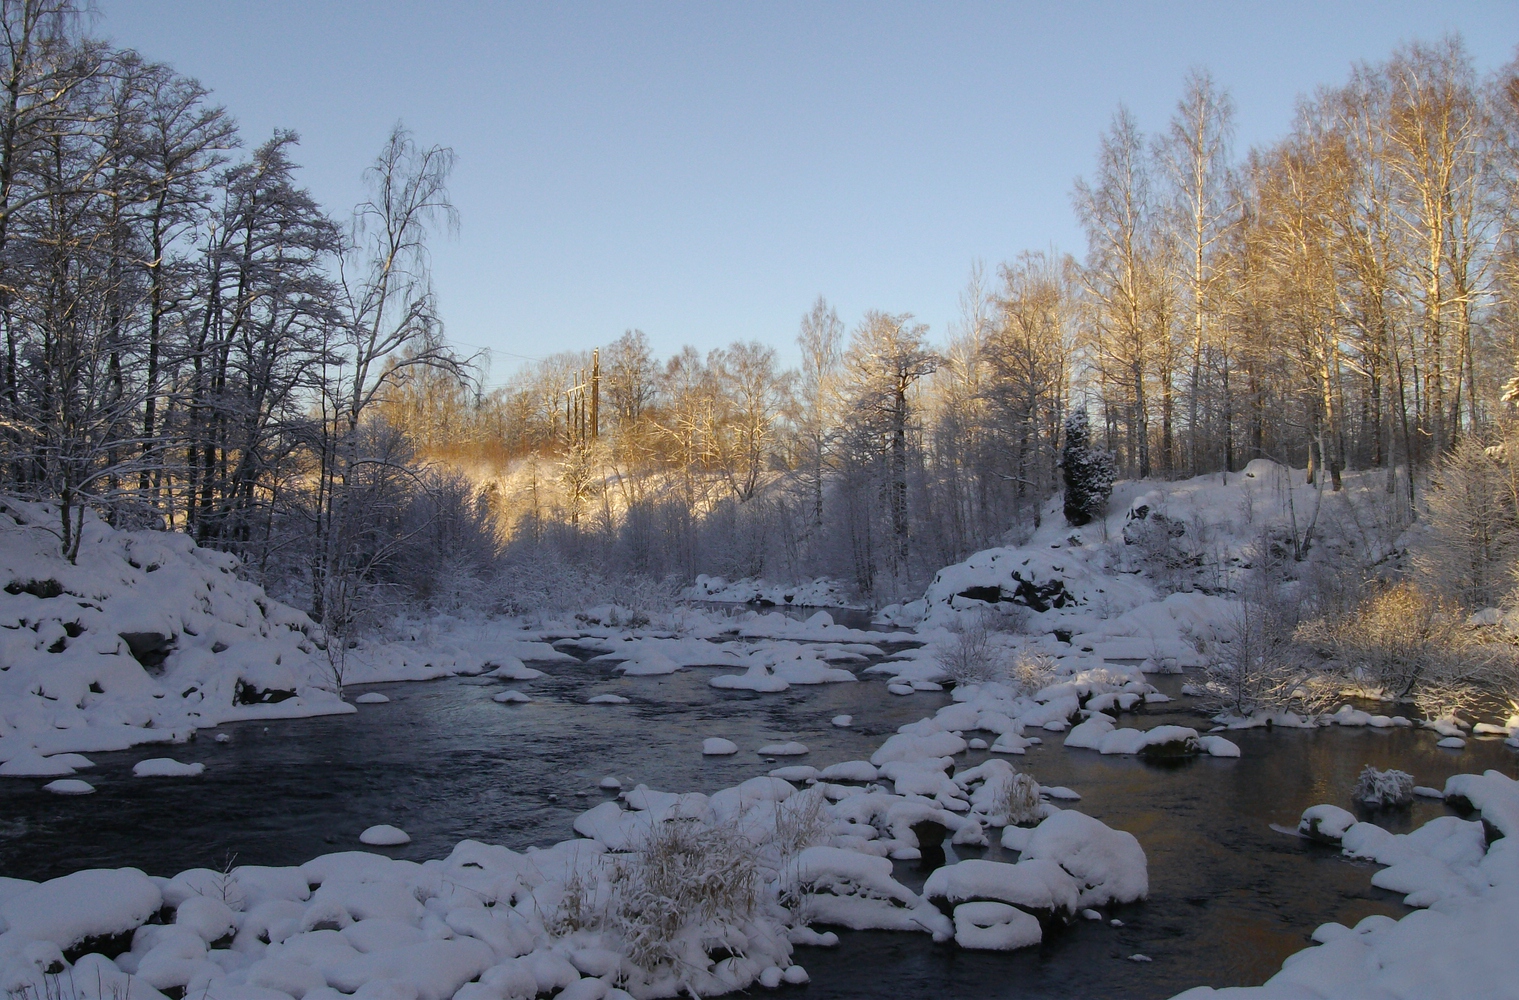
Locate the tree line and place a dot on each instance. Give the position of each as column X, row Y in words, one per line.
column 1342, row 298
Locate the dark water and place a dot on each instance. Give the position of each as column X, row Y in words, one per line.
column 1229, row 899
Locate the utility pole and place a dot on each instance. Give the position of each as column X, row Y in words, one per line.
column 595, row 393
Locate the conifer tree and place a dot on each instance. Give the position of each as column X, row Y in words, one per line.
column 1088, row 472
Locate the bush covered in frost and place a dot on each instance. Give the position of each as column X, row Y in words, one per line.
column 1033, row 671
column 690, row 884
column 972, row 655
column 1413, row 645
column 1381, row 789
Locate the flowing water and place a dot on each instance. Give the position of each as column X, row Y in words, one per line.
column 1229, row 896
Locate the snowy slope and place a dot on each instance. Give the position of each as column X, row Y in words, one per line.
column 1152, row 582
column 210, row 648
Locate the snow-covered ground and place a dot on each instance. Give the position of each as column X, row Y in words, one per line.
column 149, row 639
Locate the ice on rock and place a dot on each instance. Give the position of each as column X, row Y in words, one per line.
column 901, row 689
column 843, row 721
column 371, row 698
column 758, row 678
column 918, row 746
column 384, row 835
column 788, row 749
column 716, row 746
column 976, row 743
column 612, row 783
column 607, row 699
column 1089, row 735
column 208, row 918
column 857, row 891
column 796, row 773
column 511, row 696
column 1010, row 742
column 1452, row 743
column 69, row 786
column 166, row 767
column 433, row 969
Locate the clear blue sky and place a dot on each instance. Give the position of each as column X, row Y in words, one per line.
column 703, row 171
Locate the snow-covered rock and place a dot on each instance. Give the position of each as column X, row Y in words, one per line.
column 384, row 835
column 166, row 767
column 1326, row 822
column 1109, row 864
column 69, row 786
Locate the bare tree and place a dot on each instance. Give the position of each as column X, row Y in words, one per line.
column 887, row 356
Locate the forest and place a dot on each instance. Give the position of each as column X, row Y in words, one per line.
column 192, row 343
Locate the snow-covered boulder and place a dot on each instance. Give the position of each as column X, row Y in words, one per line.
column 1326, row 823
column 1109, row 864
column 1039, row 886
column 92, row 910
column 847, row 889
column 995, row 927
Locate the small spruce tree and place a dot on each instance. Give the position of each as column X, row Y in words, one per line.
column 1088, row 472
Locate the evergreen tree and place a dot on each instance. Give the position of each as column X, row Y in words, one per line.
column 1088, row 472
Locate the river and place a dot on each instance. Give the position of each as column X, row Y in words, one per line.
column 1229, row 896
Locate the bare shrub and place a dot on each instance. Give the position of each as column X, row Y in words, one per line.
column 687, row 874
column 1262, row 670
column 972, row 656
column 800, row 822
column 1265, row 667
column 578, row 908
column 1381, row 789
column 1412, row 645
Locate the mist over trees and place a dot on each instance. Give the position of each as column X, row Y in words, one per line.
column 192, row 343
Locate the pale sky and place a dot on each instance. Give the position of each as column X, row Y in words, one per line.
column 703, row 171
